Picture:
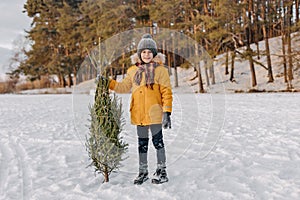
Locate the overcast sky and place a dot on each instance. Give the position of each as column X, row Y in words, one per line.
column 12, row 21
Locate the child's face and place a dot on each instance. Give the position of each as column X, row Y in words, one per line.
column 146, row 55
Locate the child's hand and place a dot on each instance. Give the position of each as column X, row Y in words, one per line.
column 166, row 120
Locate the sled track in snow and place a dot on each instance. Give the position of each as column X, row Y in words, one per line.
column 24, row 171
column 6, row 154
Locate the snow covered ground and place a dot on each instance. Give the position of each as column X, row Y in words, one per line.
column 234, row 146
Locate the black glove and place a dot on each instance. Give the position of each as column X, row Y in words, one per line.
column 166, row 123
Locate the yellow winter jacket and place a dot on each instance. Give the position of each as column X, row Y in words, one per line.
column 147, row 105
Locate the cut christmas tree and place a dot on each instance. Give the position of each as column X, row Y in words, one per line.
column 104, row 143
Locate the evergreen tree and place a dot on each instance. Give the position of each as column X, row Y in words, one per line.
column 104, row 19
column 70, row 37
column 52, row 50
column 44, row 38
column 64, row 30
column 104, row 144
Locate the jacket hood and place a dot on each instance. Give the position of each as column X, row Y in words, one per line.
column 159, row 58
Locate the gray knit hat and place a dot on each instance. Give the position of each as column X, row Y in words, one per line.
column 147, row 43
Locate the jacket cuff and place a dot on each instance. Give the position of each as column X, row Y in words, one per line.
column 167, row 109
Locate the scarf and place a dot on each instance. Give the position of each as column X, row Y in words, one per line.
column 149, row 73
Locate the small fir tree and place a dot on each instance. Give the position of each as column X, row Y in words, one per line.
column 104, row 144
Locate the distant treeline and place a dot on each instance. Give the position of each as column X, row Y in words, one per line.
column 64, row 31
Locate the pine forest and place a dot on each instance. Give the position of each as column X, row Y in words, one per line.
column 63, row 32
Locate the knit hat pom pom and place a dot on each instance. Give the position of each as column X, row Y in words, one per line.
column 147, row 35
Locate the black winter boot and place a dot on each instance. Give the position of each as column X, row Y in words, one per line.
column 141, row 178
column 160, row 176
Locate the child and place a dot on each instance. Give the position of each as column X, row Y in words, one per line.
column 151, row 104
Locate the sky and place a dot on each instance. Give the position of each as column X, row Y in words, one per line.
column 13, row 21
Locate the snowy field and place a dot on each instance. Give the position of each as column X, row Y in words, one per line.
column 234, row 146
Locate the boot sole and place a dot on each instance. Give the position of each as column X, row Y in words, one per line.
column 155, row 181
column 140, row 182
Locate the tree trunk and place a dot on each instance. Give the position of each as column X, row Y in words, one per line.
column 290, row 61
column 169, row 63
column 283, row 41
column 284, row 59
column 266, row 38
column 62, row 80
column 226, row 62
column 249, row 52
column 206, row 75
column 212, row 74
column 201, row 89
column 232, row 67
column 250, row 14
column 200, row 82
column 74, row 75
column 252, row 69
column 289, row 43
column 256, row 27
column 174, row 62
column 70, row 82
column 106, row 175
column 198, row 68
column 297, row 10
